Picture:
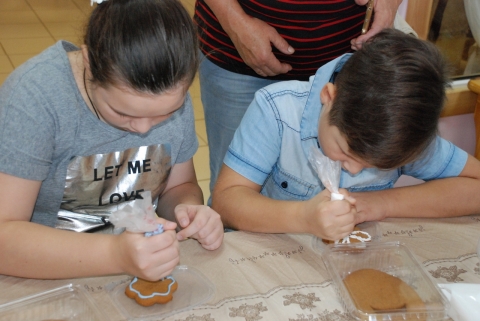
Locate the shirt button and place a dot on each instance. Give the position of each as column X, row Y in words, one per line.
column 284, row 184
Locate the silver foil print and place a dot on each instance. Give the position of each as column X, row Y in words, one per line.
column 97, row 185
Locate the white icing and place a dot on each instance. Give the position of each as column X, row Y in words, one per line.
column 154, row 293
column 336, row 197
column 355, row 235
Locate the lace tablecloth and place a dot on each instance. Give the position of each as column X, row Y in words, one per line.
column 282, row 276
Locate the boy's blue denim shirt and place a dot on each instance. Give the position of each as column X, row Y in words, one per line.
column 271, row 145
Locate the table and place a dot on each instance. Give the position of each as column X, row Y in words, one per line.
column 282, row 276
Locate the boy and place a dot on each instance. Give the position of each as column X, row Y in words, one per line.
column 376, row 111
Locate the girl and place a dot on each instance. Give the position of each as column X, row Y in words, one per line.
column 85, row 131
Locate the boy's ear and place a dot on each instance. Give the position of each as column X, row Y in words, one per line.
column 327, row 94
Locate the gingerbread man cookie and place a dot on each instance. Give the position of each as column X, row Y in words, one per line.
column 373, row 291
column 148, row 293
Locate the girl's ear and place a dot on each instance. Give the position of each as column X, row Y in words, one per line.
column 327, row 94
column 85, row 56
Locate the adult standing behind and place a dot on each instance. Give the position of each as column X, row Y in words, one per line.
column 87, row 130
column 251, row 44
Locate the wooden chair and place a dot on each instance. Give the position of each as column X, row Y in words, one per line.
column 474, row 86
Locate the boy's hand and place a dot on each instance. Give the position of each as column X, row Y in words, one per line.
column 371, row 206
column 331, row 220
column 150, row 258
column 201, row 223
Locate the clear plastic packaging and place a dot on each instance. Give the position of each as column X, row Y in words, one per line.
column 392, row 258
column 478, row 248
column 193, row 289
column 69, row 302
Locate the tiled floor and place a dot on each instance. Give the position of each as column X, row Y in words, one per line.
column 29, row 26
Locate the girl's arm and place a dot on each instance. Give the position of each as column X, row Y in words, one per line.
column 35, row 251
column 445, row 197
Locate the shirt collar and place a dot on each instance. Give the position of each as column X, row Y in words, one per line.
column 313, row 105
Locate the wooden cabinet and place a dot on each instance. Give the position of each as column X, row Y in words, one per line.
column 474, row 86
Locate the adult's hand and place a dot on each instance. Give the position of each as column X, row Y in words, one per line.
column 253, row 38
column 384, row 15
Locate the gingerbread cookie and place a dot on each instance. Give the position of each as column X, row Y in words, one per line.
column 148, row 293
column 373, row 291
column 356, row 236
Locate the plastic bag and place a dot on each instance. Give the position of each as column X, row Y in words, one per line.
column 464, row 300
column 137, row 217
column 328, row 171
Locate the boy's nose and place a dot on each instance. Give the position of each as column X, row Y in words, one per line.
column 352, row 167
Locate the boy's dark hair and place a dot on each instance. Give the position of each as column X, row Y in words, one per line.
column 389, row 98
column 148, row 45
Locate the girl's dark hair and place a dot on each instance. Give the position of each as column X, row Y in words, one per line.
column 389, row 98
column 148, row 45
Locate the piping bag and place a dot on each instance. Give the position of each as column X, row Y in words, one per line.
column 328, row 171
column 138, row 217
column 464, row 300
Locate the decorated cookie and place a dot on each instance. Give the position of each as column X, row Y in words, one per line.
column 373, row 291
column 148, row 293
column 355, row 237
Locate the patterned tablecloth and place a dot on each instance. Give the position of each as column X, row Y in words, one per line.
column 282, row 276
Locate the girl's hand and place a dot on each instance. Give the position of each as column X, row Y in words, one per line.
column 150, row 258
column 201, row 223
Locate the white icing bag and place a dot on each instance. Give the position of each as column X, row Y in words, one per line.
column 328, row 171
column 137, row 217
column 464, row 300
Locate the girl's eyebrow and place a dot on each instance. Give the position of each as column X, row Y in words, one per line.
column 123, row 114
column 120, row 113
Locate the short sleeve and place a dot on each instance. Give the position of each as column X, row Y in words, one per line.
column 27, row 131
column 443, row 159
column 189, row 143
column 255, row 147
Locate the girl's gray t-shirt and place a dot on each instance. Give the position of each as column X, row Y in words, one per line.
column 48, row 134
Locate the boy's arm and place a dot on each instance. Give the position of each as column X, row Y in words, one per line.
column 445, row 197
column 35, row 251
column 242, row 207
column 182, row 201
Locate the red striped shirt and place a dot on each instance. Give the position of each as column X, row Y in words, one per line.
column 319, row 30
